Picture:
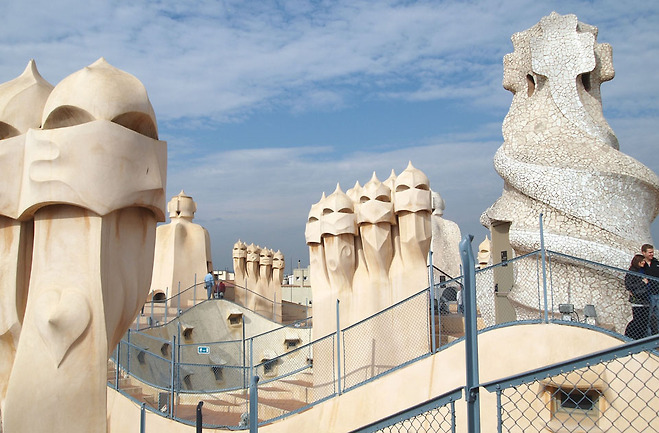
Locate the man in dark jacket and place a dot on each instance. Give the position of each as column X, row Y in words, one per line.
column 652, row 270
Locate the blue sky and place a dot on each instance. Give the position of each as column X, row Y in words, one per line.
column 267, row 104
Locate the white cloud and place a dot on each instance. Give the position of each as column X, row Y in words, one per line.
column 218, row 59
column 206, row 63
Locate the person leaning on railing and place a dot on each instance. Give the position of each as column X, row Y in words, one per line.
column 652, row 270
column 637, row 286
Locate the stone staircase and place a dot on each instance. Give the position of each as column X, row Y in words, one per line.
column 225, row 408
column 131, row 386
column 274, row 399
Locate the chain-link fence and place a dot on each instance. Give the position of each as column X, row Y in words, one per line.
column 165, row 306
column 154, row 372
column 292, row 382
column 173, row 377
column 386, row 340
column 566, row 288
column 435, row 415
column 615, row 390
column 171, row 374
column 289, row 383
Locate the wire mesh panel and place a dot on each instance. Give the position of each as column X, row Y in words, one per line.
column 288, row 383
column 617, row 394
column 150, row 368
column 220, row 409
column 386, row 340
column 510, row 291
column 143, row 376
column 448, row 311
column 436, row 420
column 436, row 415
column 213, row 366
column 594, row 293
column 273, row 343
column 568, row 288
column 292, row 381
column 210, row 377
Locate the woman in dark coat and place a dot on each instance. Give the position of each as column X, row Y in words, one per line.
column 640, row 299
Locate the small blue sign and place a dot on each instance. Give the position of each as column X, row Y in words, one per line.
column 203, row 350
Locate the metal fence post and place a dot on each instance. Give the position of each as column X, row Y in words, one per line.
column 166, row 303
column 128, row 353
column 338, row 349
column 200, row 419
column 173, row 371
column 194, row 291
column 543, row 254
column 253, row 411
column 117, row 365
column 178, row 362
column 251, row 358
column 143, row 418
column 274, row 308
column 244, row 359
column 151, row 319
column 178, row 308
column 254, row 405
column 431, row 278
column 471, row 334
column 499, row 418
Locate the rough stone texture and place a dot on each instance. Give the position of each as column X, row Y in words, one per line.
column 81, row 195
column 560, row 158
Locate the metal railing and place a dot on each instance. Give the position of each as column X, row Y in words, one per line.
column 385, row 341
column 159, row 312
column 614, row 390
column 163, row 374
column 435, row 415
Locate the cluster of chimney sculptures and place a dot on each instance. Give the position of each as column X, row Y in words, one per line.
column 83, row 188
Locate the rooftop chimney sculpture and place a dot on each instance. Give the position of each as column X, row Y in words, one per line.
column 88, row 192
column 560, row 158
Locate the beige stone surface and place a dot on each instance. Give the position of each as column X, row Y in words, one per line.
column 484, row 257
column 259, row 273
column 208, row 323
column 21, row 103
column 543, row 344
column 182, row 253
column 446, row 239
column 560, row 158
column 92, row 181
column 368, row 247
